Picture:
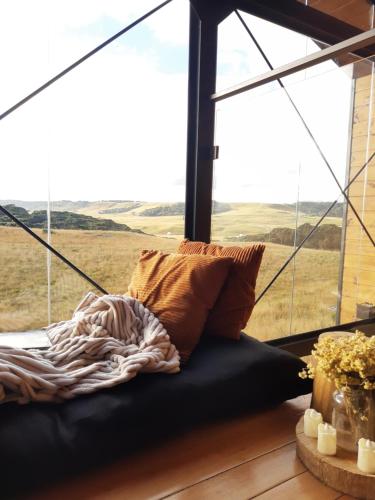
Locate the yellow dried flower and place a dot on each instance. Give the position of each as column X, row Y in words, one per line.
column 345, row 360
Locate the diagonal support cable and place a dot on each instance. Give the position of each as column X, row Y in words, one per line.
column 52, row 249
column 81, row 60
column 322, row 155
column 294, row 253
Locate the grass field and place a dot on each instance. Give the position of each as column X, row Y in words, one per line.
column 110, row 257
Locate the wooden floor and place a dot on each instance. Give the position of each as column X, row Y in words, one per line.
column 247, row 457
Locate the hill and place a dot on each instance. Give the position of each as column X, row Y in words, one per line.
column 317, row 208
column 179, row 209
column 132, row 205
column 62, row 220
column 326, row 236
column 229, row 220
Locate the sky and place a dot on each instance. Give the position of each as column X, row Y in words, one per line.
column 115, row 127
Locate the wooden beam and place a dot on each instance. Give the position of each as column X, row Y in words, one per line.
column 303, row 19
column 356, row 42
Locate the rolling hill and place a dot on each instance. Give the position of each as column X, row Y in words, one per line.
column 61, row 220
column 229, row 220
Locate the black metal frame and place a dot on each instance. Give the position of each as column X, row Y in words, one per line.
column 302, row 343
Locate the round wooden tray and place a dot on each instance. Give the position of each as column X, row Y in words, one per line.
column 339, row 472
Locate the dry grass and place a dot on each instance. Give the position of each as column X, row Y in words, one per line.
column 110, row 257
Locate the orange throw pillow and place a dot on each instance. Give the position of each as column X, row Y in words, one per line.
column 237, row 297
column 180, row 290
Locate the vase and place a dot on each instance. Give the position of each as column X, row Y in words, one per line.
column 353, row 416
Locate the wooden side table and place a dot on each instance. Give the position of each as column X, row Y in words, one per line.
column 339, row 472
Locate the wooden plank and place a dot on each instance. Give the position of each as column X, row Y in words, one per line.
column 346, row 317
column 249, row 479
column 367, row 217
column 357, row 202
column 358, row 159
column 363, row 294
column 362, row 97
column 362, row 114
column 302, row 487
column 362, row 189
column 360, row 276
column 188, row 459
column 368, row 173
column 358, row 41
column 363, row 83
column 355, row 231
column 354, row 12
column 361, row 128
column 352, row 247
column 363, row 90
column 363, row 243
column 362, row 142
column 365, row 261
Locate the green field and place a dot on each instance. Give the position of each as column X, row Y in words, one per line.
column 303, row 298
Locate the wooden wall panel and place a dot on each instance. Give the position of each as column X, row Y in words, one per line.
column 354, row 12
column 359, row 257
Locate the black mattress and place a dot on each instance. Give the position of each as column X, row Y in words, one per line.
column 42, row 443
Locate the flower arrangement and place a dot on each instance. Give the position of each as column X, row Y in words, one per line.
column 348, row 361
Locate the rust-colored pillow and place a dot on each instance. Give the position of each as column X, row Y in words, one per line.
column 237, row 297
column 180, row 290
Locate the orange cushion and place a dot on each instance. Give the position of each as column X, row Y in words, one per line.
column 237, row 297
column 180, row 290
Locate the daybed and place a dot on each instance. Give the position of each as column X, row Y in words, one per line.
column 42, row 443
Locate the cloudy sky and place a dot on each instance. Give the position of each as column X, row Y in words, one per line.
column 115, row 128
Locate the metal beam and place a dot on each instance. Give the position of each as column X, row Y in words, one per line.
column 192, row 122
column 358, row 41
column 206, row 131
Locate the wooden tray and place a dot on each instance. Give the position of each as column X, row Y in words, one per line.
column 339, row 472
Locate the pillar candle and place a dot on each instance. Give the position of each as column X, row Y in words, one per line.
column 311, row 420
column 326, row 439
column 366, row 456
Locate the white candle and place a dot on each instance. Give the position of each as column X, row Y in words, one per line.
column 326, row 439
column 366, row 456
column 311, row 420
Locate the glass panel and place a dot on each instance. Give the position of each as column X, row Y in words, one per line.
column 274, row 177
column 272, row 316
column 239, row 59
column 23, row 280
column 106, row 146
column 66, row 291
column 48, row 37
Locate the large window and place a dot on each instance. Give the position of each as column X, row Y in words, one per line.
column 284, row 153
column 95, row 164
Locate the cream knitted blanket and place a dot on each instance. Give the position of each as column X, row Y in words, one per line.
column 108, row 341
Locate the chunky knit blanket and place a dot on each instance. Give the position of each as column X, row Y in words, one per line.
column 108, row 341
